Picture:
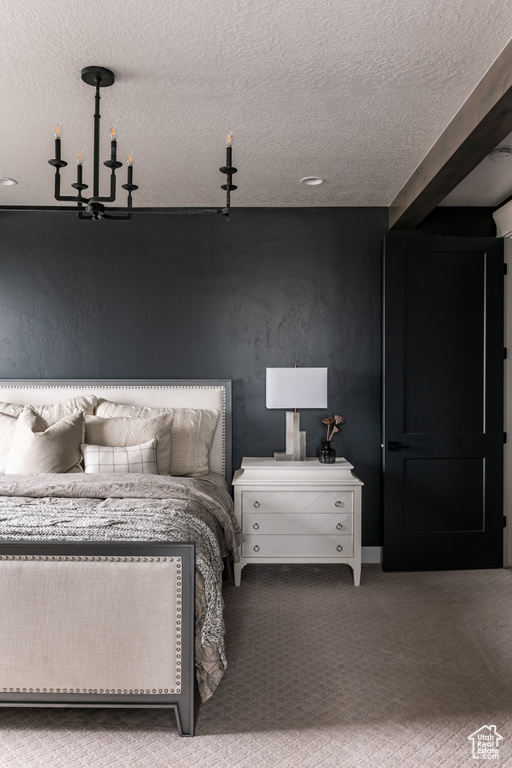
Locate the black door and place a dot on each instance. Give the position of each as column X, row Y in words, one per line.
column 443, row 402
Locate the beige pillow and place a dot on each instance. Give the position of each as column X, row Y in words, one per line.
column 37, row 449
column 192, row 438
column 7, row 427
column 192, row 433
column 56, row 411
column 127, row 431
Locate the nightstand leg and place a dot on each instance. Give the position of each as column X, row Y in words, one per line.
column 357, row 575
column 238, row 572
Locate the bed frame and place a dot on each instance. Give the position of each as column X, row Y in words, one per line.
column 70, row 651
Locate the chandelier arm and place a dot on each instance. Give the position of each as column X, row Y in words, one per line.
column 112, row 196
column 229, row 170
column 76, row 208
column 113, row 217
column 57, row 184
column 67, row 198
column 58, row 163
column 70, row 199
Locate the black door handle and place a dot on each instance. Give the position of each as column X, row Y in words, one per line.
column 394, row 445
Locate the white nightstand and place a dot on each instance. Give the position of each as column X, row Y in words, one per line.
column 298, row 512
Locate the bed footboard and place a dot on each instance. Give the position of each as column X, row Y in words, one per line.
column 98, row 624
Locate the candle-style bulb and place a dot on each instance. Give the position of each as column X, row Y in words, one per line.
column 130, row 159
column 229, row 140
column 80, row 157
column 58, row 131
column 113, row 132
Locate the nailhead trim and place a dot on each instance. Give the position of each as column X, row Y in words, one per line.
column 96, row 558
column 86, row 558
column 90, row 690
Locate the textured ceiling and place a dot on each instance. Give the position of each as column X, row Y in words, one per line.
column 356, row 92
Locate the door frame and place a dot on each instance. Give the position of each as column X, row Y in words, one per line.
column 507, row 459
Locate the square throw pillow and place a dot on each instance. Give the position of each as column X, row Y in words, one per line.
column 38, row 449
column 192, row 433
column 56, row 411
column 130, row 459
column 122, row 432
column 7, row 427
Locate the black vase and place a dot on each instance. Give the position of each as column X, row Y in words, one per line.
column 327, row 454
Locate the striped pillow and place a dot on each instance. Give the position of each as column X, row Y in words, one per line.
column 129, row 459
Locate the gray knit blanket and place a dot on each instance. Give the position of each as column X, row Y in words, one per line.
column 136, row 508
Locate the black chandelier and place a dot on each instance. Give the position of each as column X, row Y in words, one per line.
column 93, row 208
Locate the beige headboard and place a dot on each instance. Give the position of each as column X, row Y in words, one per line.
column 159, row 393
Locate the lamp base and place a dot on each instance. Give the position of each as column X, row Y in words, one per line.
column 295, row 440
column 282, row 456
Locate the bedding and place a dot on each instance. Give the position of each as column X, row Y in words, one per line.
column 142, row 507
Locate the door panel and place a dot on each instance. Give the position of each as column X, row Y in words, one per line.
column 444, row 342
column 443, row 402
column 443, row 495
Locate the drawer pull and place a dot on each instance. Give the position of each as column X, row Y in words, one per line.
column 339, row 548
column 256, row 548
column 256, row 526
column 339, row 527
column 256, row 504
column 338, row 504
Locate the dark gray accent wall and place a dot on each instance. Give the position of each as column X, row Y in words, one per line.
column 175, row 296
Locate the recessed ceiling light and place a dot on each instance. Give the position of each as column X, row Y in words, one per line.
column 312, row 181
column 500, row 153
column 6, row 182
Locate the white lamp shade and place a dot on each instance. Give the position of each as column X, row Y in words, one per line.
column 296, row 388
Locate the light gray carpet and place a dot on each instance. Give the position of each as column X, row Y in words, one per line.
column 395, row 673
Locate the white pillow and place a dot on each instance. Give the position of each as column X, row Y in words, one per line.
column 192, row 438
column 130, row 459
column 192, row 433
column 122, row 432
column 37, row 449
column 7, row 427
column 56, row 411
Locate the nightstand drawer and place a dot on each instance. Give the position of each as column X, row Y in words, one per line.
column 298, row 546
column 297, row 524
column 279, row 502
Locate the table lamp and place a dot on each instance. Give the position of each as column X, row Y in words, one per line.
column 295, row 388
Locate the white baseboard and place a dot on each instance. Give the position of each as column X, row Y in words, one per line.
column 371, row 554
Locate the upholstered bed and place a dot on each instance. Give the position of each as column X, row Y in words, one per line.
column 115, row 518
